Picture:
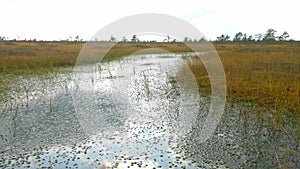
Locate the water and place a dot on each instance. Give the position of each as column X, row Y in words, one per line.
column 143, row 111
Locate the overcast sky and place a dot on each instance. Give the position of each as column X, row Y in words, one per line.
column 58, row 19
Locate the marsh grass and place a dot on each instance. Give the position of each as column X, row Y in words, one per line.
column 267, row 76
column 44, row 57
column 36, row 57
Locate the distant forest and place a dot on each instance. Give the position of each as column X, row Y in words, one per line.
column 269, row 37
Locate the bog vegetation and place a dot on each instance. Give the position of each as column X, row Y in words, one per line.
column 265, row 73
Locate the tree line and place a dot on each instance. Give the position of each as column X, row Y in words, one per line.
column 240, row 37
column 269, row 37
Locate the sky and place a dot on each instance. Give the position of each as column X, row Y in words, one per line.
column 61, row 19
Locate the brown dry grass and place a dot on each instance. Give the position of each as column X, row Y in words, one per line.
column 24, row 57
column 264, row 75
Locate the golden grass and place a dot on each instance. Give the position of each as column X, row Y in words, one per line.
column 23, row 57
column 265, row 75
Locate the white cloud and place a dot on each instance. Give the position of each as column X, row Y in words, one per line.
column 56, row 19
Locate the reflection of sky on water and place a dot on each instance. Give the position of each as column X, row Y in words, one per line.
column 91, row 154
column 156, row 109
column 133, row 112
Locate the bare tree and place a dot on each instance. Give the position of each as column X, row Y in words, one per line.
column 223, row 38
column 270, row 35
column 2, row 38
column 284, row 36
column 77, row 38
column 258, row 36
column 124, row 39
column 134, row 39
column 238, row 36
column 112, row 39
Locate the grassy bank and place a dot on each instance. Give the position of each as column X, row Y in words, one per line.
column 33, row 57
column 36, row 57
column 264, row 75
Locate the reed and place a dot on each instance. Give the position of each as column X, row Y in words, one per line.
column 265, row 75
